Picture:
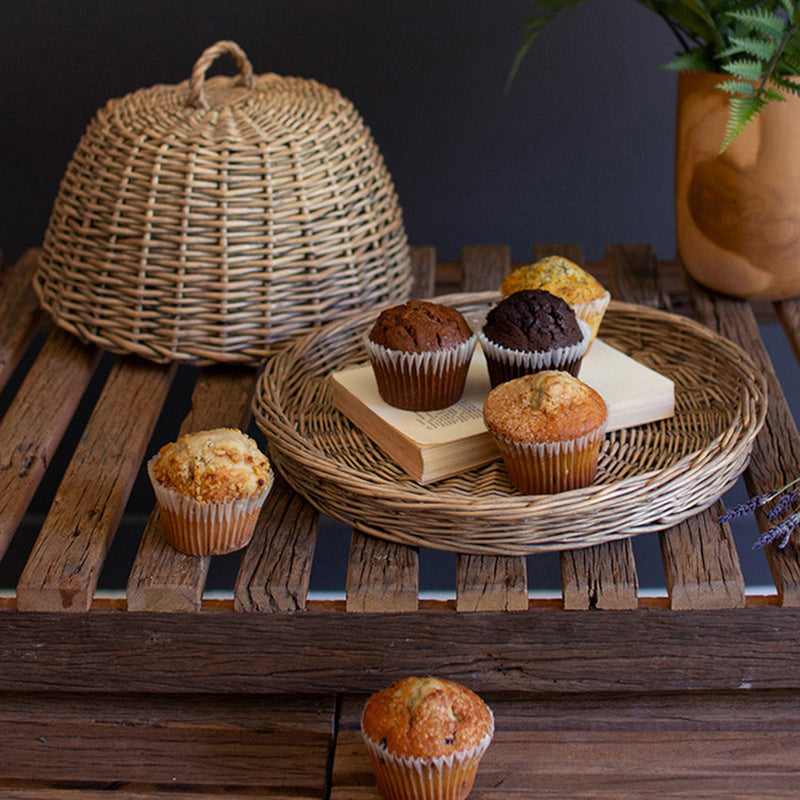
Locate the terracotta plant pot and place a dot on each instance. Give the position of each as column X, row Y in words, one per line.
column 737, row 213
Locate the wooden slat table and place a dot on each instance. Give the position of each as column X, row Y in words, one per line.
column 164, row 691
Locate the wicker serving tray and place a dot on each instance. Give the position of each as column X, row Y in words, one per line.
column 649, row 477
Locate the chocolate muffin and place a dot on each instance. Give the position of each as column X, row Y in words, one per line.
column 420, row 354
column 532, row 330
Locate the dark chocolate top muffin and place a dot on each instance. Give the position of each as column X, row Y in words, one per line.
column 532, row 320
column 419, row 326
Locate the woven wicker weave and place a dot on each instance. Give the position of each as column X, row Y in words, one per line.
column 649, row 477
column 211, row 220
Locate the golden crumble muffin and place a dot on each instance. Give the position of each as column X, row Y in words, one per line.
column 210, row 487
column 549, row 428
column 426, row 737
column 213, row 466
column 565, row 279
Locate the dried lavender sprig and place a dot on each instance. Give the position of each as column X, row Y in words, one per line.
column 744, row 508
column 783, row 505
column 779, row 533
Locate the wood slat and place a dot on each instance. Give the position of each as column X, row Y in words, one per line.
column 19, row 313
column 489, row 583
column 65, row 564
column 701, row 564
column 775, row 458
column 603, row 576
column 423, row 271
column 163, row 579
column 34, row 424
column 276, row 566
column 717, row 746
column 277, row 745
column 382, row 576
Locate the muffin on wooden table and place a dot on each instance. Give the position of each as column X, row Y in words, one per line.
column 549, row 428
column 210, row 487
column 529, row 331
column 420, row 353
column 426, row 737
column 587, row 297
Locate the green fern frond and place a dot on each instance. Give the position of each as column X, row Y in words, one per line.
column 741, row 111
column 745, row 68
column 761, row 49
column 737, row 88
column 692, row 61
column 758, row 19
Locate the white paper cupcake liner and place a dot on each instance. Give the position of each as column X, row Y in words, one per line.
column 421, row 381
column 505, row 364
column 551, row 467
column 206, row 529
column 442, row 778
column 592, row 312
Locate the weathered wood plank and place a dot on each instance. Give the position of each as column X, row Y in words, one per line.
column 34, row 424
column 701, row 565
column 163, row 579
column 546, row 650
column 627, row 748
column 19, row 312
column 276, row 566
column 423, row 271
column 66, row 560
column 483, row 266
column 775, row 458
column 275, row 744
column 603, row 576
column 382, row 576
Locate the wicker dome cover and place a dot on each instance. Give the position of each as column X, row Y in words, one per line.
column 211, row 220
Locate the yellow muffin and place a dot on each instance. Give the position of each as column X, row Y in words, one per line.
column 210, row 486
column 426, row 737
column 549, row 428
column 565, row 279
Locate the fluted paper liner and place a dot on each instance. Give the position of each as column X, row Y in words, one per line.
column 206, row 529
column 551, row 467
column 421, row 381
column 592, row 311
column 505, row 364
column 442, row 778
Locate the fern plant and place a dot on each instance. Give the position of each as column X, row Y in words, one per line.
column 754, row 42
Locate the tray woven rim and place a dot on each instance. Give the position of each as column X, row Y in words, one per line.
column 503, row 523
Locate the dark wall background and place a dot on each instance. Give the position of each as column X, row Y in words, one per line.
column 579, row 150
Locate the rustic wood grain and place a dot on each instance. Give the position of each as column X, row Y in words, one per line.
column 163, row 579
column 775, row 458
column 423, row 271
column 276, row 566
column 603, row 576
column 622, row 747
column 546, row 650
column 34, row 424
column 65, row 564
column 273, row 744
column 483, row 266
column 701, row 565
column 20, row 313
column 382, row 576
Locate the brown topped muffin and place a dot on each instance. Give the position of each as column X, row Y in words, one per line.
column 565, row 279
column 549, row 428
column 532, row 330
column 210, row 487
column 420, row 354
column 426, row 737
column 418, row 325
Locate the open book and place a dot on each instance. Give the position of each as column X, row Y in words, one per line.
column 430, row 445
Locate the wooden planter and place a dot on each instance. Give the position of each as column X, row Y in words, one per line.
column 737, row 213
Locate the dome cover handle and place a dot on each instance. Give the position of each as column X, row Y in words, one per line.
column 197, row 97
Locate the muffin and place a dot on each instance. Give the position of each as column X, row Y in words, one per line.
column 549, row 428
column 565, row 279
column 529, row 331
column 209, row 487
column 420, row 353
column 426, row 737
